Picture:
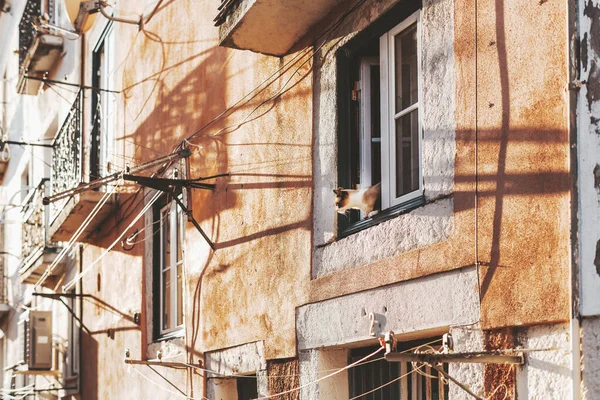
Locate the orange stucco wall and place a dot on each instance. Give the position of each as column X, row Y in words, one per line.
column 511, row 192
column 511, row 130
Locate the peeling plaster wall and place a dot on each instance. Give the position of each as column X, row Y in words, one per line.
column 589, row 157
column 245, row 359
column 467, row 338
column 523, row 162
column 430, row 224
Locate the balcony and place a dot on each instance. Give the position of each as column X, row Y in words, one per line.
column 268, row 26
column 4, row 306
column 4, row 159
column 38, row 52
column 68, row 214
column 37, row 253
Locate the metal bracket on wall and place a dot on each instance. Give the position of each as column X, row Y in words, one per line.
column 183, row 153
column 484, row 357
column 172, row 186
column 59, row 297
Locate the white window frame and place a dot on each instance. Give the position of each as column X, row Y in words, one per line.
column 176, row 224
column 388, row 115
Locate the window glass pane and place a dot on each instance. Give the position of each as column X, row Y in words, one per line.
column 179, row 294
column 166, row 296
column 405, row 44
column 179, row 236
column 407, row 153
column 166, row 238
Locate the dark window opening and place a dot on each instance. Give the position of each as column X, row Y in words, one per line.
column 246, row 387
column 406, row 383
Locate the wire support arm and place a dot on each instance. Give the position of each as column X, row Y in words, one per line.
column 489, row 357
column 69, row 309
column 161, row 364
column 74, row 85
column 169, row 186
column 165, row 184
column 183, row 153
column 3, row 142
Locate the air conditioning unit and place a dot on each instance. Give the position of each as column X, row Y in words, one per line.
column 35, row 333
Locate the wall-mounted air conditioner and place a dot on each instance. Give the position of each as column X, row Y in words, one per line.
column 35, row 332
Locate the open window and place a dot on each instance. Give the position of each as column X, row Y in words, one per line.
column 380, row 107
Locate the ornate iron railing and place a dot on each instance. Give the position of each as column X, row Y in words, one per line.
column 226, row 8
column 66, row 156
column 3, row 284
column 27, row 31
column 33, row 239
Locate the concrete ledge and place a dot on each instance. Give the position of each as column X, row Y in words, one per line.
column 429, row 304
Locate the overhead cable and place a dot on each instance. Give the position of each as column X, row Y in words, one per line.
column 86, row 222
column 322, row 378
column 164, row 388
column 80, row 275
column 386, row 384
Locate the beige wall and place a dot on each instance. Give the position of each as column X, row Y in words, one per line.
column 175, row 79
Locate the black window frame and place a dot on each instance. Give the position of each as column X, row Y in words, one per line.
column 96, row 132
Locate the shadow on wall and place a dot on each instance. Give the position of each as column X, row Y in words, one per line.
column 89, row 366
column 267, row 160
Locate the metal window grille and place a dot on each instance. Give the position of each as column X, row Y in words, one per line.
column 66, row 156
column 368, row 379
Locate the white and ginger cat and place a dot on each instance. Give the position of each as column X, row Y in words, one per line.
column 366, row 200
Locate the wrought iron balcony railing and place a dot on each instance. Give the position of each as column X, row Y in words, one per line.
column 33, row 239
column 66, row 156
column 27, row 31
column 38, row 51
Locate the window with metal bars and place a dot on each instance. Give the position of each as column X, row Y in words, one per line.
column 383, row 380
column 246, row 388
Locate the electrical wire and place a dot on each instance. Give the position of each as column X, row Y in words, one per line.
column 113, row 244
column 384, row 385
column 164, row 388
column 326, row 35
column 322, row 378
column 76, row 235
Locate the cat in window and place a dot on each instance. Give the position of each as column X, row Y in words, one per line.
column 367, row 200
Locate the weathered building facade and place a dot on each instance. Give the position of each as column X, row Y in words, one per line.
column 169, row 219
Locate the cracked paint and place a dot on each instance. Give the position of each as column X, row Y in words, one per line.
column 597, row 258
